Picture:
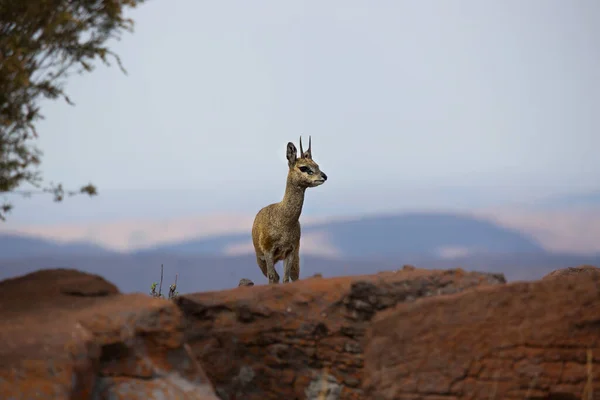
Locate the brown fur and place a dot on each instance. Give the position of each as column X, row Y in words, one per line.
column 276, row 228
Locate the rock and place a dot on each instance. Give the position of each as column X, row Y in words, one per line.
column 538, row 340
column 245, row 282
column 583, row 269
column 70, row 335
column 302, row 340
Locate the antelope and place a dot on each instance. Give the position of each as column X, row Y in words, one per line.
column 276, row 228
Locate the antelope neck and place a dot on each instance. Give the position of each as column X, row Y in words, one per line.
column 292, row 202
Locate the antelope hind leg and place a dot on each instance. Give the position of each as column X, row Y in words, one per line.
column 271, row 272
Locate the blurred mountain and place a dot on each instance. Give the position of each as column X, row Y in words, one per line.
column 557, row 229
column 424, row 234
column 415, row 234
column 15, row 246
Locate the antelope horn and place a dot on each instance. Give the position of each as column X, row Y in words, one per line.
column 302, row 151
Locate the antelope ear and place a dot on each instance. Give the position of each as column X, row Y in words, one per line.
column 291, row 154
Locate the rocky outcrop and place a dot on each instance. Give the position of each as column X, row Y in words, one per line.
column 583, row 269
column 245, row 282
column 70, row 335
column 537, row 340
column 302, row 340
column 408, row 334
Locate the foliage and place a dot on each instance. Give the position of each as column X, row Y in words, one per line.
column 173, row 293
column 41, row 44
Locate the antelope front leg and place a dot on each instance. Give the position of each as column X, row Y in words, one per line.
column 291, row 267
column 287, row 265
column 271, row 272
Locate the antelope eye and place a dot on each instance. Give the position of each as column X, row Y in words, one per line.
column 305, row 169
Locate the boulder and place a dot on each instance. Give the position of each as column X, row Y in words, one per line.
column 245, row 282
column 302, row 340
column 535, row 340
column 583, row 269
column 70, row 335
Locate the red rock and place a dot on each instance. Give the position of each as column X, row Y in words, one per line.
column 583, row 269
column 71, row 335
column 298, row 340
column 517, row 341
column 245, row 282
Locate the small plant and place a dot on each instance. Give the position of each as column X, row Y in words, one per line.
column 173, row 293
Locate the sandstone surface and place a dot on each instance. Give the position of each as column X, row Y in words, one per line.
column 583, row 269
column 525, row 340
column 408, row 334
column 69, row 335
column 302, row 340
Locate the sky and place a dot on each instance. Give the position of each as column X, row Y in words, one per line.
column 409, row 104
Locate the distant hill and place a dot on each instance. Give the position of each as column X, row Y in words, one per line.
column 415, row 234
column 16, row 246
column 424, row 234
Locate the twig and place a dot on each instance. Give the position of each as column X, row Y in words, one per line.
column 161, row 279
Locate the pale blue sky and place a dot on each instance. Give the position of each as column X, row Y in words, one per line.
column 409, row 103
